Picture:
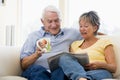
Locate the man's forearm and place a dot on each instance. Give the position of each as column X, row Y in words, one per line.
column 27, row 61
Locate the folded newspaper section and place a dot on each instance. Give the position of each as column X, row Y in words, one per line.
column 54, row 60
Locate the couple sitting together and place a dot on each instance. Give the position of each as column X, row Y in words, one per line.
column 100, row 50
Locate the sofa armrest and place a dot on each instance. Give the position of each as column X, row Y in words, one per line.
column 10, row 61
column 116, row 45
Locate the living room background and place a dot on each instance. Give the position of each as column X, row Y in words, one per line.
column 20, row 17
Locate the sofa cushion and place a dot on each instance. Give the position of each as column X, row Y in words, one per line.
column 116, row 42
column 12, row 78
column 9, row 61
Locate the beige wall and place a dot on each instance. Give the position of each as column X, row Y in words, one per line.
column 2, row 21
column 8, row 17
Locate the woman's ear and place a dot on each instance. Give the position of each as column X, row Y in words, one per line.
column 95, row 28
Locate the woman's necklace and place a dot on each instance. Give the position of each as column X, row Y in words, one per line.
column 87, row 44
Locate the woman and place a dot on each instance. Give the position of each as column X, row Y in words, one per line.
column 100, row 51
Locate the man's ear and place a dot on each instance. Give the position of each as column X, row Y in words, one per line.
column 42, row 21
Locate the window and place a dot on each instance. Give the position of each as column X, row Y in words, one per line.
column 71, row 10
column 107, row 10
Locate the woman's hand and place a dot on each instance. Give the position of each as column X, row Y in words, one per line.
column 94, row 65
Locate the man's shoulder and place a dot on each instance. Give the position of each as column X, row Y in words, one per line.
column 72, row 30
column 35, row 34
column 72, row 33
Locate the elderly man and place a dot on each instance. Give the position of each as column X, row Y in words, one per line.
column 33, row 59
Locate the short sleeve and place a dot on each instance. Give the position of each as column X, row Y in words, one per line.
column 106, row 42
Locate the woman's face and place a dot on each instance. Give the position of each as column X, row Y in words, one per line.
column 87, row 29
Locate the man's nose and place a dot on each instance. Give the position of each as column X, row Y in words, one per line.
column 53, row 24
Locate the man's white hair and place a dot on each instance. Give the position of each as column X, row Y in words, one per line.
column 51, row 8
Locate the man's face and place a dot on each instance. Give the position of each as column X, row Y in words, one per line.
column 51, row 23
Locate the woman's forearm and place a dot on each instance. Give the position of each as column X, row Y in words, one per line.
column 110, row 67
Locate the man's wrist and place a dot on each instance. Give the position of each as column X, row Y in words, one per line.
column 37, row 55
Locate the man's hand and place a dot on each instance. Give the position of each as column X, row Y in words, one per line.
column 39, row 52
column 27, row 61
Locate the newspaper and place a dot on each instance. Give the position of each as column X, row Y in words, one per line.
column 53, row 61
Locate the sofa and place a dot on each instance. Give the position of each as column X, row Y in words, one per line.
column 10, row 68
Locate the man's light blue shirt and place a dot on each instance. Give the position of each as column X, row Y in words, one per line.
column 59, row 43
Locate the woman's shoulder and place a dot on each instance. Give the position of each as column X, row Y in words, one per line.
column 104, row 40
column 77, row 43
